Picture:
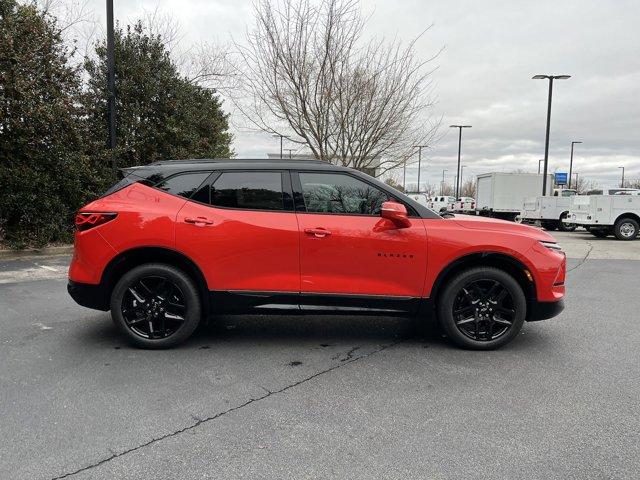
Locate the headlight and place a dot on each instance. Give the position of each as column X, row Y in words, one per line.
column 552, row 246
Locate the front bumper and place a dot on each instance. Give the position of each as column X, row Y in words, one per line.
column 87, row 295
column 544, row 310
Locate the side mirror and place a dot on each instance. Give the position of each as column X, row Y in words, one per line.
column 397, row 213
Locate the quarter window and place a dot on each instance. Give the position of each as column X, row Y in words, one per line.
column 184, row 184
column 338, row 193
column 248, row 190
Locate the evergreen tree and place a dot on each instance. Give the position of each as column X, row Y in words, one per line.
column 44, row 174
column 160, row 114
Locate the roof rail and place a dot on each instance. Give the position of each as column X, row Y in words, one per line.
column 239, row 160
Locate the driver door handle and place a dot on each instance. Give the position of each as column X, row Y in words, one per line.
column 199, row 221
column 317, row 232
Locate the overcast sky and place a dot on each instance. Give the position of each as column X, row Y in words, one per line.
column 491, row 50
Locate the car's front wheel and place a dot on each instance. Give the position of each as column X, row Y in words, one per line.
column 482, row 308
column 155, row 306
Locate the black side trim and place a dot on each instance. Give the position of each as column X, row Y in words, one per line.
column 90, row 296
column 544, row 310
column 236, row 302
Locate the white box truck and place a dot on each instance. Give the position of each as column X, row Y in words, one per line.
column 502, row 195
column 549, row 211
column 605, row 215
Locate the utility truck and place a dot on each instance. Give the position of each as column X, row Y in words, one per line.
column 463, row 205
column 549, row 211
column 440, row 203
column 502, row 195
column 604, row 215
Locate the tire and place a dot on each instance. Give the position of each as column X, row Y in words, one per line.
column 566, row 227
column 156, row 306
column 599, row 233
column 550, row 226
column 469, row 293
column 626, row 229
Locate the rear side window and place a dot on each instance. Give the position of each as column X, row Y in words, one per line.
column 184, row 184
column 248, row 190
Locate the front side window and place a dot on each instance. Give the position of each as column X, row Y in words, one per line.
column 184, row 184
column 339, row 193
column 248, row 190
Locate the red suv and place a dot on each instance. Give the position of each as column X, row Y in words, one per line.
column 176, row 242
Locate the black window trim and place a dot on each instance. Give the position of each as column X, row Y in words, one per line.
column 287, row 194
column 302, row 208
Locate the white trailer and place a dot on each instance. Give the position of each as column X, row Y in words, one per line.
column 605, row 215
column 549, row 211
column 421, row 198
column 502, row 195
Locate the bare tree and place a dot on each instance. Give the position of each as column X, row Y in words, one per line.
column 309, row 74
column 447, row 189
column 468, row 188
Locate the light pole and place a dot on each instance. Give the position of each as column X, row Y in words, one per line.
column 111, row 85
column 459, row 127
column 551, row 78
column 577, row 184
column 289, row 150
column 622, row 182
column 461, row 177
column 278, row 135
column 442, row 183
column 419, row 147
column 539, row 163
column 571, row 162
column 404, row 175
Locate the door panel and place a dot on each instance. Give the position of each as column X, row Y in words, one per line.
column 241, row 249
column 364, row 255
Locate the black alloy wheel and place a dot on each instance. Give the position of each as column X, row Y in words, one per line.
column 153, row 307
column 482, row 308
column 156, row 306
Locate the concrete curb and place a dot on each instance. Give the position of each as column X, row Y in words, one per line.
column 41, row 252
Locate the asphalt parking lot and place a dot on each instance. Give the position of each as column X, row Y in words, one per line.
column 323, row 397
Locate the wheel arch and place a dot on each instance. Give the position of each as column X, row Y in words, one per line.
column 125, row 261
column 504, row 262
column 627, row 215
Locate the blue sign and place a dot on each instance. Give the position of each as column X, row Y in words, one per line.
column 561, row 178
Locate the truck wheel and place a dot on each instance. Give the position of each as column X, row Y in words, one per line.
column 482, row 308
column 599, row 233
column 626, row 229
column 566, row 227
column 155, row 306
column 550, row 226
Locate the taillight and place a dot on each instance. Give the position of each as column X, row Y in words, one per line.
column 87, row 220
column 473, row 206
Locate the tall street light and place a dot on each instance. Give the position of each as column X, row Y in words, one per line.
column 459, row 127
column 442, row 183
column 571, row 162
column 461, row 176
column 622, row 182
column 551, row 78
column 278, row 135
column 111, row 85
column 419, row 147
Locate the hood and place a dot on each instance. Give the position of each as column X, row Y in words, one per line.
column 493, row 224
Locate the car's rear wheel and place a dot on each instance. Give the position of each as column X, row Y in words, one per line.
column 482, row 308
column 155, row 306
column 626, row 229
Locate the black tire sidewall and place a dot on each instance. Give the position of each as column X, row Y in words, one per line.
column 618, row 225
column 191, row 298
column 446, row 299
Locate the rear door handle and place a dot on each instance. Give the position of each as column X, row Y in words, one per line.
column 200, row 221
column 317, row 232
